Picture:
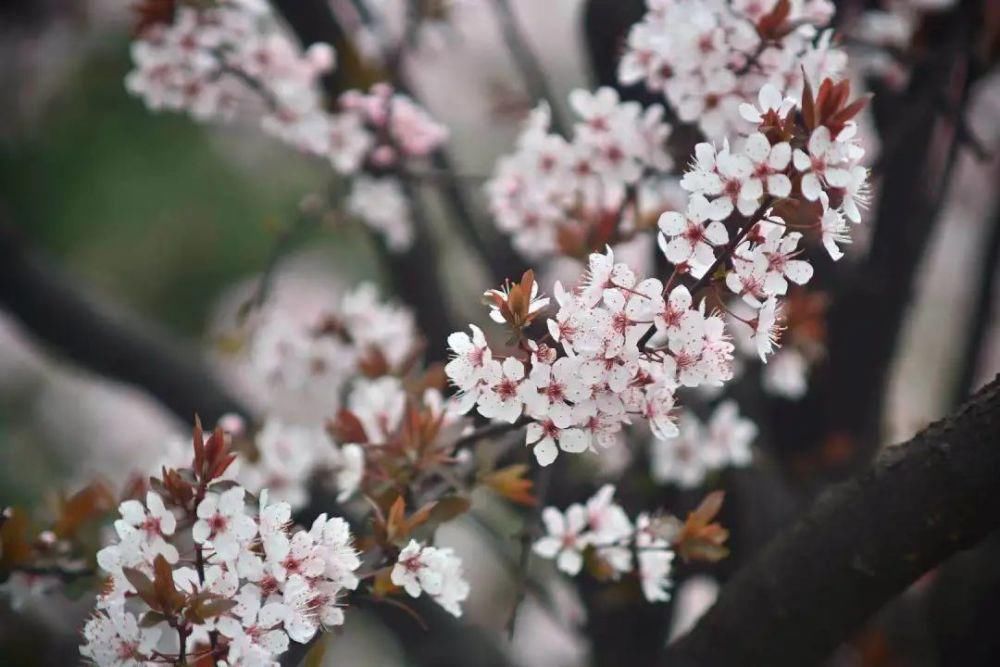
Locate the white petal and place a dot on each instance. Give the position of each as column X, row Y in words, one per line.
column 574, row 441
column 546, row 452
column 781, row 155
column 757, row 147
column 672, row 223
column 779, row 185
column 810, row 187
column 750, row 113
column 798, row 271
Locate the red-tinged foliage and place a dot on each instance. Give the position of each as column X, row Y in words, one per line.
column 511, row 483
column 15, row 544
column 514, row 301
column 829, row 106
column 90, row 503
column 347, row 428
column 150, row 13
column 775, row 25
column 701, row 538
column 212, row 457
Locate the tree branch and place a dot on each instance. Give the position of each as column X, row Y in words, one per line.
column 527, row 62
column 314, row 21
column 861, row 543
column 58, row 312
column 983, row 309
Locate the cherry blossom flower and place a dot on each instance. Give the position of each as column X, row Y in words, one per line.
column 432, row 570
column 553, row 384
column 502, row 395
column 728, row 437
column 556, row 431
column 709, row 61
column 154, row 521
column 334, row 546
column 114, row 637
column 223, row 524
column 467, row 368
column 769, row 164
column 821, row 167
column 834, row 232
column 767, row 328
column 780, row 249
column 785, row 374
column 679, row 460
column 566, row 538
column 254, row 632
column 769, row 99
column 691, row 240
column 383, row 206
column 655, row 560
column 747, row 277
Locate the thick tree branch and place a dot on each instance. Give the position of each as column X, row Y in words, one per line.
column 54, row 308
column 861, row 543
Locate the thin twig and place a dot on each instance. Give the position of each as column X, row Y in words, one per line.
column 528, row 535
column 489, row 431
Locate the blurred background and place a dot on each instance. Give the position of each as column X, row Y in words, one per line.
column 169, row 223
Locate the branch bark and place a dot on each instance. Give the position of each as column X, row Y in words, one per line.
column 860, row 544
column 59, row 313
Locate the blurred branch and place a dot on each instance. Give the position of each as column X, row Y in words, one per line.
column 529, row 533
column 861, row 543
column 982, row 310
column 314, row 21
column 527, row 62
column 415, row 277
column 57, row 311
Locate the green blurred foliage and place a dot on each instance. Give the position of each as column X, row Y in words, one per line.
column 146, row 205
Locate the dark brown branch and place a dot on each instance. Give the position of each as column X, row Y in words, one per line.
column 489, row 431
column 862, row 543
column 58, row 312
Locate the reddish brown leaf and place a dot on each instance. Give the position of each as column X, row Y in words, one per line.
column 511, row 483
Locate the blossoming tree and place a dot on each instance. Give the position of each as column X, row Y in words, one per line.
column 699, row 195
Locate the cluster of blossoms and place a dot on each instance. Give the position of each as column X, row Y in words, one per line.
column 709, row 56
column 371, row 137
column 620, row 346
column 799, row 170
column 580, row 398
column 232, row 59
column 291, row 456
column 307, row 362
column 557, row 195
column 701, row 448
column 603, row 532
column 342, row 391
column 256, row 582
